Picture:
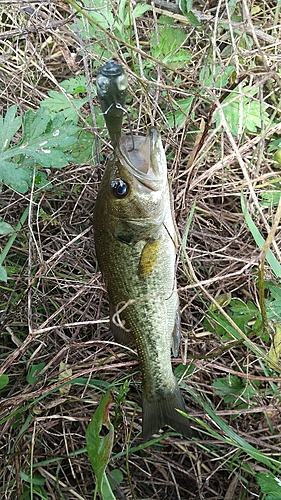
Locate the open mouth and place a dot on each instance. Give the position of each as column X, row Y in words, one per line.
column 142, row 161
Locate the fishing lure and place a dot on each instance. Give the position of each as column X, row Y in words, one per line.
column 112, row 85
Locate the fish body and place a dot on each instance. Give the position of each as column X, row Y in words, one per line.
column 135, row 241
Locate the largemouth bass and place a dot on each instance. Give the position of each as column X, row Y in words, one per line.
column 135, row 241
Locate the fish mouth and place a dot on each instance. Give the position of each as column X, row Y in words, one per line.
column 146, row 161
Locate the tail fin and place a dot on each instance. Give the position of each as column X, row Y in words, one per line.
column 162, row 411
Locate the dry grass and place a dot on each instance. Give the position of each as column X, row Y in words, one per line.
column 54, row 307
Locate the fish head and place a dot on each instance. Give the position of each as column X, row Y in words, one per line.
column 134, row 189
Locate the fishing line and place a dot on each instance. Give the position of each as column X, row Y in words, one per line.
column 119, row 106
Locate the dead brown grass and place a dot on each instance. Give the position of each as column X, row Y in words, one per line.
column 54, row 308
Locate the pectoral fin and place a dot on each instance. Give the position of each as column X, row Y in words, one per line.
column 148, row 258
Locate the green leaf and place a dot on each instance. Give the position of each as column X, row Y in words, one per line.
column 231, row 388
column 275, row 348
column 33, row 372
column 140, row 9
column 4, row 380
column 5, row 228
column 3, row 274
column 99, row 446
column 273, row 303
column 55, row 135
column 245, row 109
column 8, row 127
column 168, row 49
column 194, row 21
column 217, row 78
column 178, row 117
column 270, row 485
column 77, row 85
column 270, row 198
column 117, row 476
column 186, row 8
column 84, row 148
column 60, row 102
column 14, row 175
column 101, row 14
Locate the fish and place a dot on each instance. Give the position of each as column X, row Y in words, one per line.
column 136, row 244
column 111, row 86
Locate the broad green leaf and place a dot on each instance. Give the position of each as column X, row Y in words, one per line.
column 5, row 228
column 194, row 21
column 4, row 380
column 231, row 388
column 217, row 78
column 55, row 135
column 117, row 476
column 84, row 148
column 270, row 485
column 60, row 102
column 270, row 198
column 8, row 127
column 33, row 371
column 273, row 304
column 167, row 50
column 77, row 85
column 3, row 274
column 140, row 9
column 179, row 116
column 185, row 5
column 15, row 176
column 99, row 446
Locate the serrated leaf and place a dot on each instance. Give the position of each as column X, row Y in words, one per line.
column 77, row 85
column 8, row 127
column 34, row 125
column 5, row 228
column 60, row 102
column 15, row 176
column 55, row 135
column 99, row 447
column 83, row 150
column 4, row 380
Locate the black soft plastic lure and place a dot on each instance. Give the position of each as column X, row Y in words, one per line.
column 112, row 87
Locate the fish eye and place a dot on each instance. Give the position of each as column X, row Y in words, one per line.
column 120, row 188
